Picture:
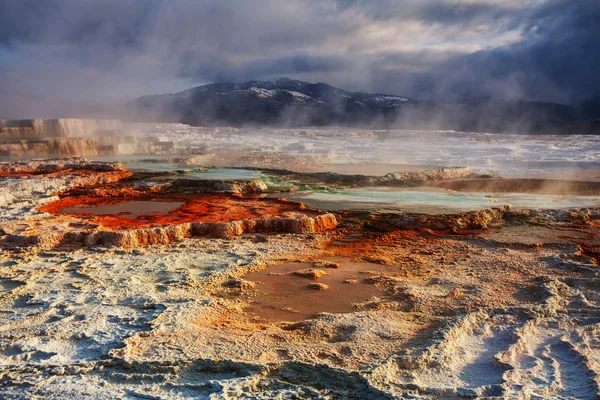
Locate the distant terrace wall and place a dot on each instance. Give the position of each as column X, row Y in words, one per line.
column 54, row 128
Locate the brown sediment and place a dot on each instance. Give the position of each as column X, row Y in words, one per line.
column 281, row 293
column 538, row 235
column 466, row 223
column 525, row 185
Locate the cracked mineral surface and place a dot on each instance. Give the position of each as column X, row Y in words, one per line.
column 117, row 282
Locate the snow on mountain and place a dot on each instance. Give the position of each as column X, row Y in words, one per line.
column 273, row 93
column 264, row 93
column 386, row 98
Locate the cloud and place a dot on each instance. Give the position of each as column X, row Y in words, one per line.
column 92, row 51
column 555, row 60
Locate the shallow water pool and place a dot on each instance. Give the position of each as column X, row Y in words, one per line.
column 224, row 174
column 433, row 201
column 128, row 209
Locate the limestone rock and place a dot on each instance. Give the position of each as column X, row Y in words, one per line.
column 317, row 286
column 326, row 264
column 310, row 273
column 239, row 283
column 256, row 185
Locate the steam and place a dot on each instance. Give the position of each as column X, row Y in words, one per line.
column 61, row 58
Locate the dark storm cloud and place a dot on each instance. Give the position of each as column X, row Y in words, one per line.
column 269, row 67
column 557, row 59
column 443, row 11
column 116, row 23
column 95, row 51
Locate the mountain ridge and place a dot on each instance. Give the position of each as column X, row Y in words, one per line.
column 291, row 103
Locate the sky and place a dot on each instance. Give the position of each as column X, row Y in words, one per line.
column 57, row 56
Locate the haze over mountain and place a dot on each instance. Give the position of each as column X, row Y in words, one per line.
column 287, row 102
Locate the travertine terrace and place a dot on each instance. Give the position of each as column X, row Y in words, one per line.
column 125, row 283
column 74, row 137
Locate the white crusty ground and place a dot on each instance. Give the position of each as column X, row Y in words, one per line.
column 105, row 323
column 328, row 149
column 110, row 323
